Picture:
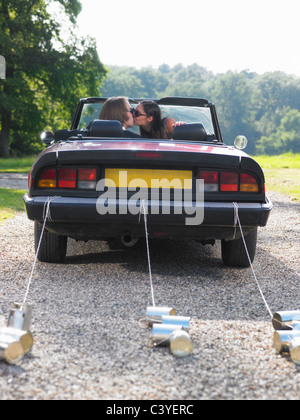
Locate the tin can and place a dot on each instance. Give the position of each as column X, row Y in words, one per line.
column 11, row 350
column 184, row 321
column 181, row 344
column 24, row 337
column 284, row 320
column 283, row 339
column 154, row 314
column 161, row 333
column 295, row 350
column 20, row 316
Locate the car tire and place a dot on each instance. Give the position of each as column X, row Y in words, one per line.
column 234, row 253
column 53, row 247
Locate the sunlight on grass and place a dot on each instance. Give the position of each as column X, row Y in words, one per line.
column 11, row 202
column 17, row 165
column 285, row 161
column 282, row 174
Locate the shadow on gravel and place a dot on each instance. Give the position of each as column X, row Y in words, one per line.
column 162, row 253
column 195, row 277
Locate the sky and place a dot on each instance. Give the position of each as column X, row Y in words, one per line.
column 220, row 35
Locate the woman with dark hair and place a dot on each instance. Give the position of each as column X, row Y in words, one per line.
column 147, row 116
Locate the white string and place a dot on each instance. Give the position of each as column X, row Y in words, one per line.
column 46, row 216
column 236, row 215
column 148, row 251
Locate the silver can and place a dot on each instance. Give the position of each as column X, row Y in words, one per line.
column 20, row 316
column 181, row 344
column 284, row 320
column 283, row 339
column 184, row 321
column 295, row 350
column 11, row 350
column 24, row 337
column 154, row 314
column 161, row 334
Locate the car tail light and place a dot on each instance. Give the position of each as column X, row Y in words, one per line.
column 67, row 178
column 47, row 179
column 81, row 178
column 211, row 180
column 248, row 183
column 225, row 181
column 229, row 181
column 149, row 155
column 87, row 178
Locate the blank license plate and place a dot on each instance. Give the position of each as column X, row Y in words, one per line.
column 148, row 178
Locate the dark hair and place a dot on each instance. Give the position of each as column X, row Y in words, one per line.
column 157, row 129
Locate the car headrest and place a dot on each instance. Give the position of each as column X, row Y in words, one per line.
column 195, row 132
column 106, row 128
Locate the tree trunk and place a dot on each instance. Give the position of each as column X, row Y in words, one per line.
column 4, row 134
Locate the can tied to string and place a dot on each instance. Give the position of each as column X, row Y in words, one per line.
column 11, row 350
column 25, row 338
column 184, row 321
column 161, row 334
column 154, row 314
column 181, row 344
column 19, row 316
column 284, row 320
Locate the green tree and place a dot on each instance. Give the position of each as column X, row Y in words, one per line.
column 247, row 103
column 232, row 95
column 286, row 138
column 46, row 74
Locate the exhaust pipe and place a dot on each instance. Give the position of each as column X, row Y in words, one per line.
column 128, row 240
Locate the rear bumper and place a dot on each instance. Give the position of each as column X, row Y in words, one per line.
column 79, row 218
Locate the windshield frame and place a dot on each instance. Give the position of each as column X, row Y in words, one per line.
column 181, row 107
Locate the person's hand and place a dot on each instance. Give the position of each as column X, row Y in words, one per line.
column 178, row 123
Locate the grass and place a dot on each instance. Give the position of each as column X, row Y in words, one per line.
column 17, row 165
column 285, row 161
column 11, row 201
column 282, row 174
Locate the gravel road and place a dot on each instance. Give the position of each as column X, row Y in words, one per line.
column 91, row 340
column 14, row 181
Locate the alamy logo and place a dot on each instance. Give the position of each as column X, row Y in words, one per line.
column 156, row 196
column 2, row 67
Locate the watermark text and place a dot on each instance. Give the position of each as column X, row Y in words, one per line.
column 162, row 196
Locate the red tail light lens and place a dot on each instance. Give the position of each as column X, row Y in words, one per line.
column 87, row 174
column 82, row 178
column 47, row 179
column 248, row 183
column 149, row 155
column 211, row 180
column 229, row 181
column 67, row 178
column 87, row 178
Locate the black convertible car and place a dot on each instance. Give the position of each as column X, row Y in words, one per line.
column 100, row 184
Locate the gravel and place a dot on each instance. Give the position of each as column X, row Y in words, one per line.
column 91, row 339
column 14, row 181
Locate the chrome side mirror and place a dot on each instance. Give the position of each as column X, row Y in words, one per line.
column 47, row 138
column 240, row 142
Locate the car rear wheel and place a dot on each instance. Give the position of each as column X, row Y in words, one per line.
column 53, row 247
column 234, row 253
